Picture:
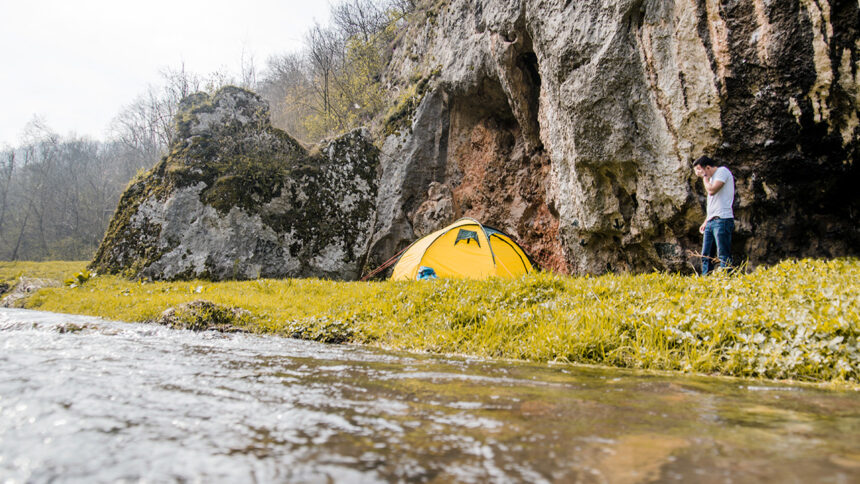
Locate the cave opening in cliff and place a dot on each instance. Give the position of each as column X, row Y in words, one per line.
column 528, row 63
column 495, row 174
column 530, row 84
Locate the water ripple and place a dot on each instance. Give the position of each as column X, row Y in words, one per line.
column 84, row 399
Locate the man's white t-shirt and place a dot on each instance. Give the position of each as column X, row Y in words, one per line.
column 720, row 203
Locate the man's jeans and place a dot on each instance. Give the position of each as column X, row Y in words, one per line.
column 717, row 243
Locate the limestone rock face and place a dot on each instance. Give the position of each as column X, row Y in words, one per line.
column 572, row 125
column 238, row 199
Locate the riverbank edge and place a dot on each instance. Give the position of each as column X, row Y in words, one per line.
column 796, row 321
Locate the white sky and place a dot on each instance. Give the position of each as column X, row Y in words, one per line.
column 76, row 63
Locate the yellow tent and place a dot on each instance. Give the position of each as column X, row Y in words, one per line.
column 465, row 249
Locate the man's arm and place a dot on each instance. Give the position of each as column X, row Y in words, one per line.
column 712, row 186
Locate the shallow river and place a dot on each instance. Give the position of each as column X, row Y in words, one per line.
column 130, row 402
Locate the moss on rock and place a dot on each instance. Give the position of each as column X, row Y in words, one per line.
column 226, row 142
column 129, row 247
column 236, row 198
column 202, row 315
column 400, row 115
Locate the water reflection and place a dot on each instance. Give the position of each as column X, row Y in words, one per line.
column 89, row 400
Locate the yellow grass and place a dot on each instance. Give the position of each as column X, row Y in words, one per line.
column 796, row 320
column 60, row 270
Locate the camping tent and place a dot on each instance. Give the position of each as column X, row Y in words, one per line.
column 464, row 249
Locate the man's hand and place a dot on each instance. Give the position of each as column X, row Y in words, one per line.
column 702, row 227
column 712, row 187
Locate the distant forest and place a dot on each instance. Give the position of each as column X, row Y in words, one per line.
column 57, row 194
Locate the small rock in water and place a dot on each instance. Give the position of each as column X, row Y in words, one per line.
column 73, row 328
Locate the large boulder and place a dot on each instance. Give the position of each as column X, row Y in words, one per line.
column 572, row 126
column 236, row 198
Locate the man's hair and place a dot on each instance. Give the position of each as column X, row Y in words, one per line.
column 704, row 161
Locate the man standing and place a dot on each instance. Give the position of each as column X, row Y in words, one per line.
column 720, row 220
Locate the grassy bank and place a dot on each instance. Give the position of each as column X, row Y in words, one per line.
column 59, row 270
column 796, row 320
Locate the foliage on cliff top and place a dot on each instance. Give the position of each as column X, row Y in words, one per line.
column 335, row 85
column 797, row 320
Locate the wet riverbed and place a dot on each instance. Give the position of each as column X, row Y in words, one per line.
column 87, row 400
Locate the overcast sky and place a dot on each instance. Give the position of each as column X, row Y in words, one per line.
column 76, row 63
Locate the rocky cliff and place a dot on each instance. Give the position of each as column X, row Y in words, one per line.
column 237, row 199
column 572, row 125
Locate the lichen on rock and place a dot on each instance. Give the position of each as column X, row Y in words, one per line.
column 236, row 198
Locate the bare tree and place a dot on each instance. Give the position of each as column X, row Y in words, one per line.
column 146, row 125
column 7, row 167
column 360, row 17
column 57, row 194
column 283, row 73
column 403, row 7
column 286, row 86
column 325, row 52
column 247, row 71
column 333, row 84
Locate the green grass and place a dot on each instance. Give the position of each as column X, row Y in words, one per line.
column 797, row 320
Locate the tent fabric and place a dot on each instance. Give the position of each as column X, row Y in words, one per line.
column 464, row 249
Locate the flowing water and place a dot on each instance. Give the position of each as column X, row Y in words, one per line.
column 88, row 400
